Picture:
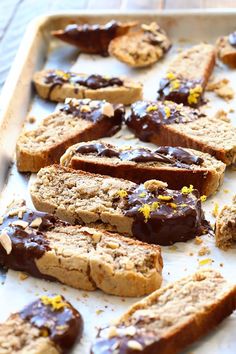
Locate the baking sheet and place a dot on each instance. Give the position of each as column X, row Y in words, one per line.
column 182, row 258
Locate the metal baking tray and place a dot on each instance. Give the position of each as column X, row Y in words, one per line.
column 18, row 101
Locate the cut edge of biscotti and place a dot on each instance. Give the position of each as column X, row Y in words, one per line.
column 225, row 226
column 206, row 177
column 46, row 144
column 81, row 257
column 126, row 94
column 172, row 317
column 35, row 329
column 141, row 48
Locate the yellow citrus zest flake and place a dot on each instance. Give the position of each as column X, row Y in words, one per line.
column 122, row 193
column 172, row 205
column 145, row 210
column 154, row 206
column 170, row 76
column 175, row 84
column 205, row 261
column 215, row 210
column 56, row 302
column 194, row 94
column 151, row 108
column 183, row 205
column 187, row 190
column 167, row 111
column 142, row 195
column 164, row 197
column 203, row 198
column 62, row 74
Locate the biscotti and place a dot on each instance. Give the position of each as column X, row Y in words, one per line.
column 187, row 75
column 57, row 85
column 48, row 325
column 142, row 47
column 77, row 120
column 84, row 258
column 93, row 39
column 225, row 227
column 171, row 318
column 176, row 166
column 168, row 123
column 226, row 49
column 149, row 212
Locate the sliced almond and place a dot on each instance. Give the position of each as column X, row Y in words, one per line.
column 113, row 245
column 36, row 222
column 20, row 223
column 6, row 241
column 107, row 109
column 133, row 344
column 154, row 184
column 96, row 237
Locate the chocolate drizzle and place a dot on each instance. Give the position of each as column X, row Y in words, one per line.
column 93, row 39
column 165, row 154
column 163, row 216
column 56, row 78
column 63, row 326
column 93, row 111
column 28, row 244
column 179, row 95
column 147, row 117
column 232, row 39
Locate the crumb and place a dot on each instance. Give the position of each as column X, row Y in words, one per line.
column 221, row 88
column 231, row 110
column 123, row 300
column 221, row 264
column 31, row 119
column 168, row 273
column 98, row 312
column 179, row 50
column 22, row 276
column 198, row 240
column 85, row 295
column 221, row 114
column 129, row 137
column 77, row 298
column 226, row 191
column 190, row 254
column 215, row 210
column 205, row 261
column 204, row 251
column 173, row 248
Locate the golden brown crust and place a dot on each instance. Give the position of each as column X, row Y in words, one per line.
column 128, row 93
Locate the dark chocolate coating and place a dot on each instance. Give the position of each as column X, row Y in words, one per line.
column 175, row 155
column 166, row 224
column 146, row 124
column 179, row 95
column 64, row 325
column 28, row 244
column 232, row 39
column 92, row 82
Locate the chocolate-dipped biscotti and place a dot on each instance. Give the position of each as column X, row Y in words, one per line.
column 49, row 325
column 93, row 39
column 140, row 48
column 168, row 123
column 84, row 258
column 149, row 212
column 57, row 85
column 174, row 165
column 226, row 49
column 225, row 227
column 187, row 75
column 77, row 120
column 170, row 319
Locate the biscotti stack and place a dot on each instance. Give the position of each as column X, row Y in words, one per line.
column 171, row 318
column 48, row 325
column 148, row 212
column 168, row 123
column 173, row 165
column 225, row 227
column 84, row 258
column 57, row 85
column 77, row 120
column 187, row 75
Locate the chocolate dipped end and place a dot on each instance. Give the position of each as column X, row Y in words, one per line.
column 28, row 241
column 57, row 319
column 147, row 117
column 93, row 39
column 163, row 216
